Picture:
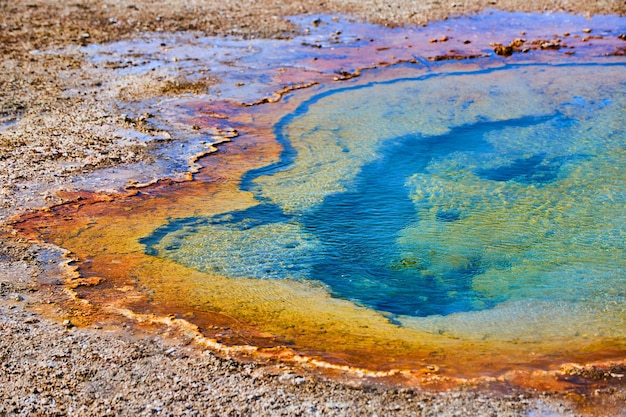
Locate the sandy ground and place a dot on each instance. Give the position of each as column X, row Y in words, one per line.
column 56, row 125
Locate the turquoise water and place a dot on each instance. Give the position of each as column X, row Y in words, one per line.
column 443, row 193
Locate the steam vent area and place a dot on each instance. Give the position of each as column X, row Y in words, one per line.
column 435, row 208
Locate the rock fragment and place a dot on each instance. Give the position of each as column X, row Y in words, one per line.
column 503, row 50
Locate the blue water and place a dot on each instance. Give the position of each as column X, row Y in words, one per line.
column 359, row 229
column 498, row 207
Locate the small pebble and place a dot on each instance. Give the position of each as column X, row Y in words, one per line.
column 67, row 324
column 433, row 368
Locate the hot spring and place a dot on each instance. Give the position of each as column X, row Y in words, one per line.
column 488, row 202
column 459, row 219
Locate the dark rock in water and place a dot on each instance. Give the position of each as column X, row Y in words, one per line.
column 550, row 45
column 617, row 52
column 448, row 216
column 503, row 50
column 456, row 56
column 534, row 169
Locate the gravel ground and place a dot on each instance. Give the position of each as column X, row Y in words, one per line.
column 51, row 370
column 57, row 125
